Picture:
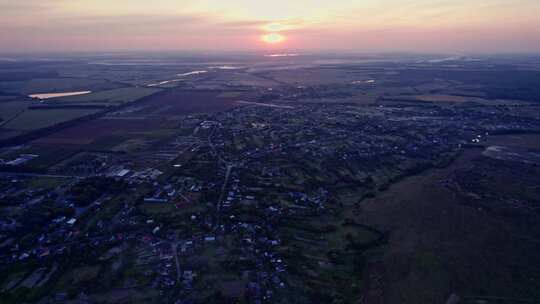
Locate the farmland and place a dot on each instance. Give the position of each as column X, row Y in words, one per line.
column 51, row 85
column 24, row 115
column 38, row 119
column 430, row 242
column 108, row 97
column 12, row 108
column 177, row 102
column 154, row 118
column 100, row 129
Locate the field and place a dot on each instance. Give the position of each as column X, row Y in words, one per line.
column 37, row 119
column 7, row 97
column 429, row 254
column 447, row 98
column 12, row 108
column 451, row 99
column 144, row 121
column 178, row 102
column 6, row 134
column 100, row 129
column 20, row 116
column 109, row 97
column 494, row 84
column 48, row 154
column 218, row 79
column 315, row 76
column 53, row 85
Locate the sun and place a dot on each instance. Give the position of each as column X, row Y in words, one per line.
column 275, row 27
column 273, row 38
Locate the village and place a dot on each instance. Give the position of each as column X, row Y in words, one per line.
column 253, row 203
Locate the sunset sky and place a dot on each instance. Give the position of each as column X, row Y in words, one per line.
column 245, row 25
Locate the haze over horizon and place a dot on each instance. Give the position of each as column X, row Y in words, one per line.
column 486, row 26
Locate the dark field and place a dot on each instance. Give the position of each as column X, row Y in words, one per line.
column 455, row 228
column 88, row 132
column 150, row 117
column 177, row 102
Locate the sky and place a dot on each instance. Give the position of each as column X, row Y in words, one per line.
column 457, row 26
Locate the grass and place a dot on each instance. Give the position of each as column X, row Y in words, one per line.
column 46, row 182
column 131, row 145
column 13, row 280
column 229, row 94
column 78, row 275
column 351, row 196
column 48, row 156
column 115, row 96
column 46, row 85
column 8, row 110
column 38, row 119
column 7, row 97
column 157, row 208
column 6, row 134
column 169, row 210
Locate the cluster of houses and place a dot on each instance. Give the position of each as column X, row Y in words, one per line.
column 233, row 242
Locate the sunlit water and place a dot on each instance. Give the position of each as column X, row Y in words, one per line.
column 55, row 95
column 176, row 80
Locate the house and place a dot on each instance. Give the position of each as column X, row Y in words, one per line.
column 155, row 200
column 72, row 221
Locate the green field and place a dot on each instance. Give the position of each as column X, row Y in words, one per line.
column 115, row 96
column 46, row 182
column 9, row 109
column 48, row 85
column 37, row 119
column 7, row 97
column 6, row 134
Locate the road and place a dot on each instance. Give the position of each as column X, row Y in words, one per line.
column 214, row 148
column 175, row 251
column 224, row 187
column 14, row 174
column 227, row 174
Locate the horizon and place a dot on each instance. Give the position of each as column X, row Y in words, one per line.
column 454, row 27
column 208, row 53
column 289, row 151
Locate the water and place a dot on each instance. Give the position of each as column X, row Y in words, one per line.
column 55, row 95
column 191, row 73
column 177, row 80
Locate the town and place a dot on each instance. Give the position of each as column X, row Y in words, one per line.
column 260, row 201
